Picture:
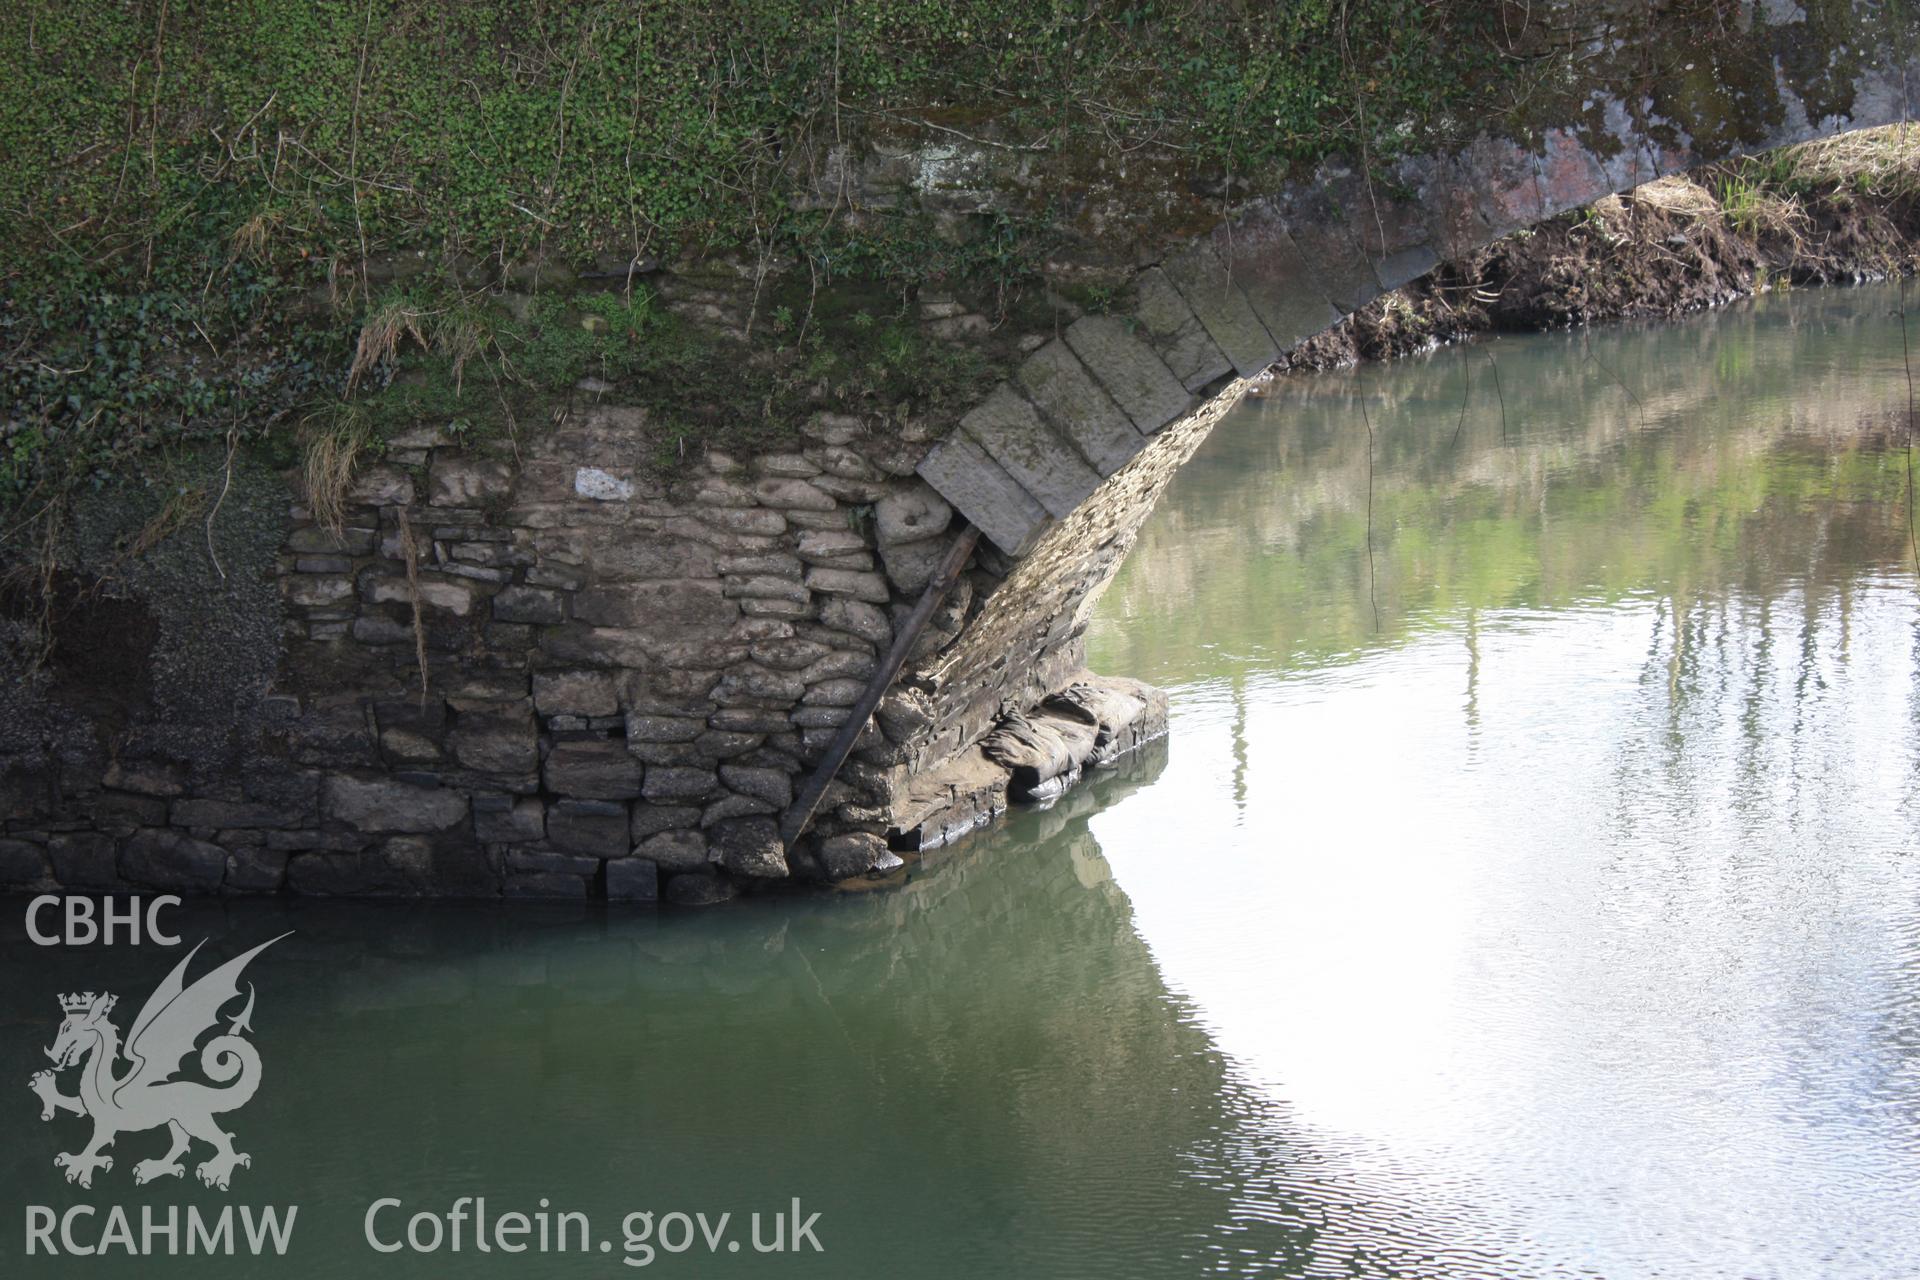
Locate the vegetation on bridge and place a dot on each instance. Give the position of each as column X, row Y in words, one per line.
column 205, row 200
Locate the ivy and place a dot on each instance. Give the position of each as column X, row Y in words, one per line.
column 191, row 190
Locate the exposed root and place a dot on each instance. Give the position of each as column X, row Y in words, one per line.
column 226, row 483
column 411, row 552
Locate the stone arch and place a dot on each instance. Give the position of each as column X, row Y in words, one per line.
column 1061, row 464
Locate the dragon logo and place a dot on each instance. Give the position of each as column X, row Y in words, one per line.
column 146, row 1095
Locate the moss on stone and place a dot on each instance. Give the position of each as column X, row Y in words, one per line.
column 206, row 202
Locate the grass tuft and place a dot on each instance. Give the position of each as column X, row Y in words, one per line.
column 379, row 340
column 1881, row 163
column 334, row 440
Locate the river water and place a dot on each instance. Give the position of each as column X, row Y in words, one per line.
column 1530, row 886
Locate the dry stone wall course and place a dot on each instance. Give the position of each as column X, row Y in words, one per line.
column 549, row 669
column 624, row 677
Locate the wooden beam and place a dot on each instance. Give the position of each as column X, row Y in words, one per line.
column 794, row 822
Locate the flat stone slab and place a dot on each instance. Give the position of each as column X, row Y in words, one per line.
column 1329, row 245
column 1012, row 432
column 1171, row 328
column 981, row 490
column 1389, row 232
column 1337, row 266
column 1060, row 386
column 946, row 802
column 1137, row 379
column 1268, row 267
column 1405, row 265
column 1208, row 287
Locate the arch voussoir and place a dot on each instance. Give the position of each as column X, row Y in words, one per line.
column 1061, row 464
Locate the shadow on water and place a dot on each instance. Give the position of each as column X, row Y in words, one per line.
column 1743, row 450
column 979, row 1072
column 1576, row 900
column 1562, row 925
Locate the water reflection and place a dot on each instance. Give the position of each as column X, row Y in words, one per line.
column 1578, row 901
column 979, row 1072
column 1565, row 922
column 1744, row 448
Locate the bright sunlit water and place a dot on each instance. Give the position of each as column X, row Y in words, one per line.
column 1530, row 886
column 1554, row 868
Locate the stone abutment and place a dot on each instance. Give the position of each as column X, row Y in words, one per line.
column 549, row 666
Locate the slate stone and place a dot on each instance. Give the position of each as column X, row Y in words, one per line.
column 1066, row 394
column 1171, row 329
column 148, row 777
column 121, row 811
column 381, row 804
column 594, row 827
column 169, row 860
column 226, row 813
column 871, row 587
column 981, row 490
column 656, row 604
column 844, row 663
column 457, row 480
column 680, row 784
column 83, row 860
column 790, row 653
column 1209, row 288
column 912, row 565
column 632, row 880
column 793, row 494
column 1330, row 251
column 651, row 728
column 651, row 819
column 578, row 693
column 774, row 786
column 751, row 684
column 675, row 851
column 294, row 792
column 22, row 865
column 699, row 889
column 834, row 693
column 857, row 618
column 500, row 739
column 1040, row 748
column 594, row 769
column 1011, row 431
column 845, row 856
column 732, row 806
column 906, row 515
column 353, row 542
column 529, row 604
column 501, row 819
column 256, row 870
column 1137, row 379
column 750, row 847
column 1267, row 265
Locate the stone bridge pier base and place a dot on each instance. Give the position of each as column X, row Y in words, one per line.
column 1008, row 711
